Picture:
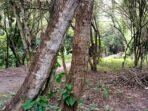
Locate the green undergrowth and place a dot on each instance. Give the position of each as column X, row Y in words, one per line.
column 105, row 64
column 4, row 98
column 113, row 64
column 68, row 58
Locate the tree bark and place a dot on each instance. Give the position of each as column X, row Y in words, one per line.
column 20, row 27
column 43, row 61
column 81, row 41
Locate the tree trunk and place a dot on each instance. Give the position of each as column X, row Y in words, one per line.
column 7, row 51
column 20, row 27
column 63, row 60
column 43, row 61
column 80, row 51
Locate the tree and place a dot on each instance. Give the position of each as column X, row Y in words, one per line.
column 135, row 14
column 79, row 65
column 41, row 66
column 22, row 21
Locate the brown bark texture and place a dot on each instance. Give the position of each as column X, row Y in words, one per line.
column 79, row 65
column 43, row 60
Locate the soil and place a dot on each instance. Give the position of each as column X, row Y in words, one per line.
column 11, row 79
column 99, row 94
column 120, row 98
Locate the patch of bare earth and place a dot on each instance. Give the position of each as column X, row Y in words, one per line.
column 11, row 79
column 120, row 97
column 95, row 96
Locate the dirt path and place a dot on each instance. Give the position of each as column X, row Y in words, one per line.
column 11, row 79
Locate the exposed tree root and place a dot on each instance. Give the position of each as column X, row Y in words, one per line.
column 133, row 77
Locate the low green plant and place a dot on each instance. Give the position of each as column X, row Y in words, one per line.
column 59, row 77
column 39, row 104
column 57, row 64
column 51, row 93
column 68, row 95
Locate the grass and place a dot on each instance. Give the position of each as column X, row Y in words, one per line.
column 106, row 64
column 114, row 64
column 68, row 58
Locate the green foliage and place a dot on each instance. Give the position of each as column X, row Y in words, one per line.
column 8, row 41
column 39, row 104
column 68, row 41
column 112, row 39
column 2, row 50
column 58, row 77
column 1, row 32
column 57, row 64
column 51, row 94
column 28, row 104
column 114, row 64
column 68, row 95
column 67, row 58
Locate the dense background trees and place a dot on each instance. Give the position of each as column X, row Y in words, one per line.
column 121, row 30
column 45, row 33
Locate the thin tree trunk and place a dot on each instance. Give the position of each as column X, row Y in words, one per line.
column 7, row 51
column 80, row 52
column 63, row 60
column 43, row 61
column 20, row 27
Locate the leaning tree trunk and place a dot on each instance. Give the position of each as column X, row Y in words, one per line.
column 43, row 61
column 80, row 51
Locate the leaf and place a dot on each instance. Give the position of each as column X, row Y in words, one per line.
column 59, row 109
column 43, row 99
column 66, row 95
column 28, row 104
column 57, row 65
column 59, row 77
column 51, row 94
column 43, row 104
column 70, row 101
column 36, row 108
column 41, row 108
column 69, row 87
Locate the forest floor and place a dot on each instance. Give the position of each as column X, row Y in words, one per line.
column 98, row 95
